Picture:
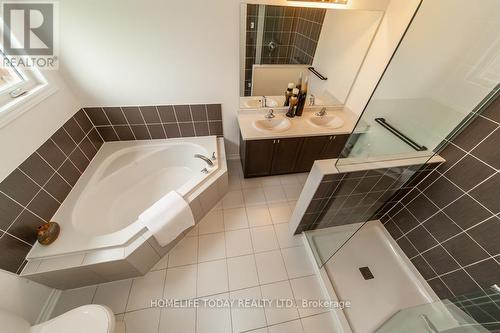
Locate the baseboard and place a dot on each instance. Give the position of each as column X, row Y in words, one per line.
column 48, row 307
column 230, row 157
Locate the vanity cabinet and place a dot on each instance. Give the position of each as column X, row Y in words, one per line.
column 288, row 155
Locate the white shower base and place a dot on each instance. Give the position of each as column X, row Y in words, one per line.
column 397, row 284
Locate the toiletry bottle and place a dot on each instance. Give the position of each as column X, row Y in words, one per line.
column 293, row 104
column 301, row 98
column 288, row 93
column 299, row 83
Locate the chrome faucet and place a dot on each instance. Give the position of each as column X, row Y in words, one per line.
column 321, row 113
column 312, row 100
column 270, row 114
column 264, row 102
column 204, row 158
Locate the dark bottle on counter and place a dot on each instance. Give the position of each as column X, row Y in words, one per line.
column 299, row 83
column 301, row 99
column 289, row 93
column 293, row 104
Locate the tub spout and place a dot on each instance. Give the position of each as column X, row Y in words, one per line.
column 204, row 158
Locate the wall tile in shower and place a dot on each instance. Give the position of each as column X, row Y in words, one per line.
column 156, row 122
column 32, row 193
column 457, row 205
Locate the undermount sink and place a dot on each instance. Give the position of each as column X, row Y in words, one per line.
column 326, row 121
column 272, row 125
column 257, row 103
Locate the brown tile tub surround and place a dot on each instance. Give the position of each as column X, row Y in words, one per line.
column 32, row 193
column 449, row 225
column 156, row 122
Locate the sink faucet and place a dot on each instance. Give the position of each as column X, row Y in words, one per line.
column 270, row 114
column 312, row 100
column 264, row 102
column 204, row 158
column 321, row 113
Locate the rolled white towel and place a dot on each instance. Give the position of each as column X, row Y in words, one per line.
column 168, row 218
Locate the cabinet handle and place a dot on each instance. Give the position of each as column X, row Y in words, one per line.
column 274, row 141
column 278, row 141
column 331, row 138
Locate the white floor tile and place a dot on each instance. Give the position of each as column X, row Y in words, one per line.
column 234, row 183
column 233, row 199
column 251, row 183
column 162, row 264
column 235, row 218
column 254, row 196
column 280, row 212
column 212, row 247
column 73, row 298
column 264, row 239
column 143, row 321
column 178, row 320
column 289, row 179
column 270, row 267
column 212, row 278
column 308, row 288
column 214, row 320
column 270, row 181
column 238, row 242
column 247, row 318
column 242, row 272
column 281, row 291
column 297, row 262
column 322, row 323
column 302, row 178
column 113, row 294
column 181, row 282
column 292, row 204
column 288, row 327
column 292, row 191
column 274, row 194
column 145, row 289
column 212, row 222
column 284, row 238
column 260, row 330
column 184, row 253
column 258, row 215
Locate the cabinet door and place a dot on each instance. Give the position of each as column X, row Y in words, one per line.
column 335, row 146
column 311, row 150
column 258, row 157
column 285, row 152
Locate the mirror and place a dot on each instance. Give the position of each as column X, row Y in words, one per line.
column 279, row 44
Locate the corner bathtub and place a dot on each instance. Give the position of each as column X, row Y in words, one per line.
column 124, row 179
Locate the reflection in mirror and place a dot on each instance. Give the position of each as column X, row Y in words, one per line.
column 279, row 44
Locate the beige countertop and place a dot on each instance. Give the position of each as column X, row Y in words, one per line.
column 300, row 126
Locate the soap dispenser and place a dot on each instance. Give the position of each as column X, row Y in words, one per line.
column 293, row 103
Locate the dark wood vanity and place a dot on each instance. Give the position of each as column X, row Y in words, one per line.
column 287, row 155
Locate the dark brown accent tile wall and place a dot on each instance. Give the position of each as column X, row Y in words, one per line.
column 451, row 218
column 32, row 193
column 156, row 122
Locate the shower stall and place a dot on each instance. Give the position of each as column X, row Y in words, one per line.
column 441, row 78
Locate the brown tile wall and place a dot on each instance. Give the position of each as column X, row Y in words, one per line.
column 449, row 224
column 156, row 122
column 33, row 192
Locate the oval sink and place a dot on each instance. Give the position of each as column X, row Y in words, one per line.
column 257, row 103
column 272, row 125
column 326, row 121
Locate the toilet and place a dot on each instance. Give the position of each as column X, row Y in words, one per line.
column 87, row 318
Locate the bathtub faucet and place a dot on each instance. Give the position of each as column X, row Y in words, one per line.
column 204, row 158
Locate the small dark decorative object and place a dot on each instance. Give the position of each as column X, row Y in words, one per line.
column 48, row 232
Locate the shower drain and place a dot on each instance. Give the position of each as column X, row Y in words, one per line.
column 367, row 274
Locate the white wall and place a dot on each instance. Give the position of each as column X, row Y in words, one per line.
column 342, row 46
column 118, row 52
column 22, row 136
column 395, row 21
column 22, row 297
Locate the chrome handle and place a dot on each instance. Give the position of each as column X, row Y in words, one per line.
column 213, row 156
column 205, row 171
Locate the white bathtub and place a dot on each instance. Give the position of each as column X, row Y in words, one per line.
column 123, row 180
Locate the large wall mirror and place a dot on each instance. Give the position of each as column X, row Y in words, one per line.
column 279, row 44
